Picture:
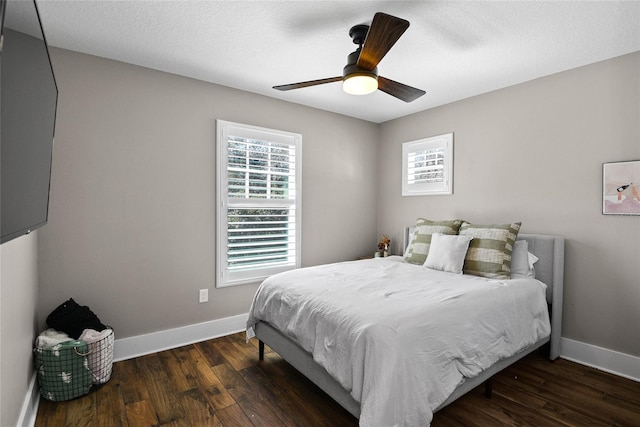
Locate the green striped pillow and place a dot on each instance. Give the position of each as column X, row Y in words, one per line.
column 418, row 249
column 489, row 253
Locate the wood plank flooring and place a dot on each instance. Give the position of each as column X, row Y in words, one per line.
column 221, row 383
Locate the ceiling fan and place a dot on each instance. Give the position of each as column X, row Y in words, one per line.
column 360, row 75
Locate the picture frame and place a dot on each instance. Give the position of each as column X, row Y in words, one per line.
column 427, row 166
column 621, row 188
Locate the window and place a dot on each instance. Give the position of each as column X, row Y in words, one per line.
column 427, row 166
column 258, row 203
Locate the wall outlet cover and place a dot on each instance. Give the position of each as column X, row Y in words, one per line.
column 204, row 295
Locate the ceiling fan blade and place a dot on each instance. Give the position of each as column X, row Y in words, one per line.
column 309, row 83
column 399, row 90
column 384, row 32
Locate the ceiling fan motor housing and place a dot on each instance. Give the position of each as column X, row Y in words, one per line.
column 351, row 69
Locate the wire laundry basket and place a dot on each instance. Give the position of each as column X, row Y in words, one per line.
column 100, row 358
column 72, row 368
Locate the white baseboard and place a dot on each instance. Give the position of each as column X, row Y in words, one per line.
column 127, row 348
column 614, row 362
column 30, row 406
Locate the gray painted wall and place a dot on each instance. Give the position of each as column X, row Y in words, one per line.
column 534, row 153
column 131, row 229
column 18, row 322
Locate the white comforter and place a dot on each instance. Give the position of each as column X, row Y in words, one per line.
column 401, row 337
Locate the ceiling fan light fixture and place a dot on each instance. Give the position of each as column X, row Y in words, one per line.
column 360, row 84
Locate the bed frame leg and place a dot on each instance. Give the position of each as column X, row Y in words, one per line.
column 488, row 388
column 260, row 350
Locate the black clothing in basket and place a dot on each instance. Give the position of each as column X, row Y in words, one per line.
column 72, row 318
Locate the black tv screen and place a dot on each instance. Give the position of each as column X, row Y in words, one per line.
column 29, row 97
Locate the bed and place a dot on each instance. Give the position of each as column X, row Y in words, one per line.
column 372, row 404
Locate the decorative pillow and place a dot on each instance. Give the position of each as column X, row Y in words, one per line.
column 522, row 260
column 489, row 253
column 418, row 249
column 447, row 252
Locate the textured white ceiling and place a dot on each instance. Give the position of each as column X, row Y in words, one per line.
column 452, row 50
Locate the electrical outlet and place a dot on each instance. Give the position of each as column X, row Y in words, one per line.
column 204, row 295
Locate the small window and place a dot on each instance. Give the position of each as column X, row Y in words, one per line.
column 258, row 203
column 427, row 166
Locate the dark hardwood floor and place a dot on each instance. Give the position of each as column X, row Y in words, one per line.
column 221, row 383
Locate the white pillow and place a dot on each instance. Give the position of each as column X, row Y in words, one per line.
column 522, row 260
column 447, row 252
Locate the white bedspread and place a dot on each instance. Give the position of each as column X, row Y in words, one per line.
column 401, row 337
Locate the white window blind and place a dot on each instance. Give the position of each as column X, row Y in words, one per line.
column 427, row 166
column 258, row 203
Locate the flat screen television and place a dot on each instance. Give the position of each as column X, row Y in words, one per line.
column 29, row 96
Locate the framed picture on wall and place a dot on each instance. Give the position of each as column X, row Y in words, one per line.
column 621, row 188
column 427, row 166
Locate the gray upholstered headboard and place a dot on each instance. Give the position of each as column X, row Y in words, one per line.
column 549, row 269
column 550, row 266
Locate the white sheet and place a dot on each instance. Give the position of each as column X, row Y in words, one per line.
column 401, row 337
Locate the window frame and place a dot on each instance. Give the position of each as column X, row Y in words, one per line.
column 225, row 278
column 443, row 143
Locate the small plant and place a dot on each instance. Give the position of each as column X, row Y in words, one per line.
column 383, row 245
